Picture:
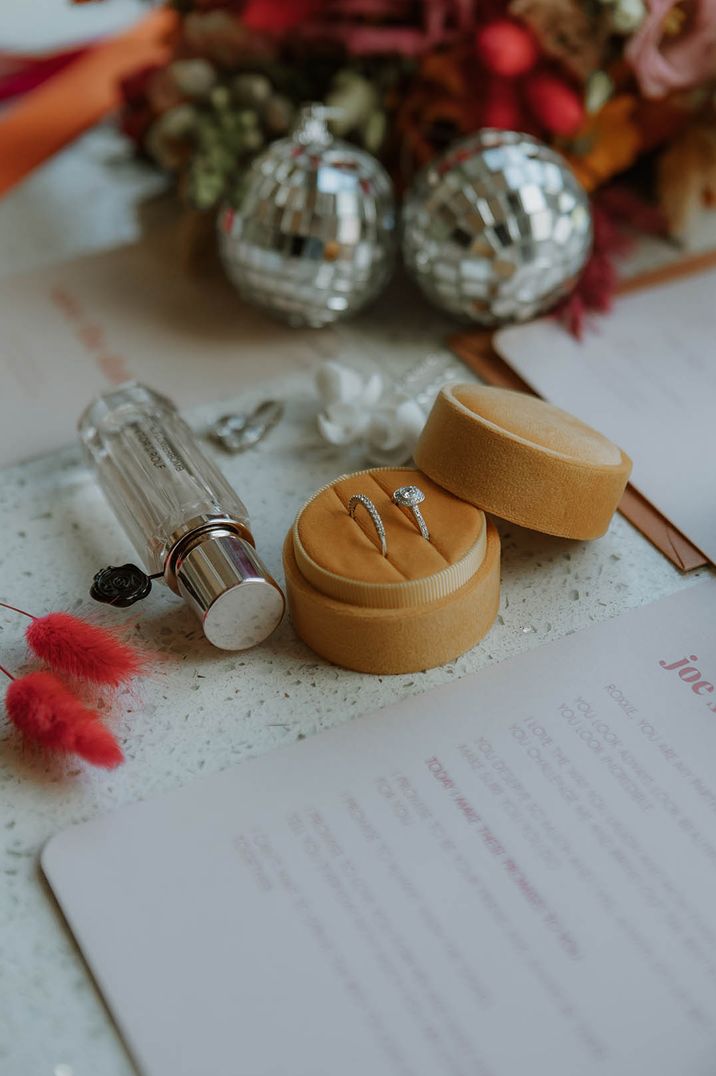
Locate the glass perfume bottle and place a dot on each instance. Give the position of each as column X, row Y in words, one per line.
column 183, row 518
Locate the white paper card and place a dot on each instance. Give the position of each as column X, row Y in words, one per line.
column 512, row 874
column 645, row 375
column 46, row 25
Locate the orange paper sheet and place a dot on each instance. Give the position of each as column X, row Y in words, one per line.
column 77, row 97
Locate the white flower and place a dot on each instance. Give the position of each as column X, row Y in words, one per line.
column 337, row 383
column 393, row 433
column 627, row 16
column 342, row 424
column 356, row 408
column 348, row 401
column 600, row 88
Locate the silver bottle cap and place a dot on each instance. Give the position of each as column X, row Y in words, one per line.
column 223, row 580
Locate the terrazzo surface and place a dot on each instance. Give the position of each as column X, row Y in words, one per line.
column 199, row 711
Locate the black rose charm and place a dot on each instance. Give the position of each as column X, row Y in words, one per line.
column 121, row 586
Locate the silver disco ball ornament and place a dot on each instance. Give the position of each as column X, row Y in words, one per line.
column 497, row 229
column 312, row 236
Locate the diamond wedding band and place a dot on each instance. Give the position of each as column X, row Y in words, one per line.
column 366, row 502
column 411, row 497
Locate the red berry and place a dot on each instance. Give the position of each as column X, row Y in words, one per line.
column 553, row 102
column 502, row 107
column 506, row 48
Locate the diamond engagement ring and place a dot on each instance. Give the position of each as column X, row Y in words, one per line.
column 366, row 502
column 411, row 497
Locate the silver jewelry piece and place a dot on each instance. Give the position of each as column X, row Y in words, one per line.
column 236, row 433
column 411, row 497
column 360, row 498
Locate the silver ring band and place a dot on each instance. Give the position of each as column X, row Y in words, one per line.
column 411, row 497
column 360, row 498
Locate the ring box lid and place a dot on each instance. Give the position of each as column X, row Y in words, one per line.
column 523, row 459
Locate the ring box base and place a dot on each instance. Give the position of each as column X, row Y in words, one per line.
column 395, row 640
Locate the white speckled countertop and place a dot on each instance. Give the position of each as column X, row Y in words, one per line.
column 198, row 710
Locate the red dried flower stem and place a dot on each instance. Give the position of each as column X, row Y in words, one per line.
column 15, row 609
column 8, row 674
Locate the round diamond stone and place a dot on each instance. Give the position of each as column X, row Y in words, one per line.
column 408, row 496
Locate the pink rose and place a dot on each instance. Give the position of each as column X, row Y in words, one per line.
column 667, row 59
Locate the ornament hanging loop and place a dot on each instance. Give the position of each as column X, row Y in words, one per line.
column 311, row 128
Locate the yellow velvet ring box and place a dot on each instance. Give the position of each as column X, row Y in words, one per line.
column 524, row 460
column 427, row 602
column 423, row 604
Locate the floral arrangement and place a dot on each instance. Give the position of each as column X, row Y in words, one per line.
column 620, row 87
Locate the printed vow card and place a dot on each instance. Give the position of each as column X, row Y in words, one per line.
column 511, row 874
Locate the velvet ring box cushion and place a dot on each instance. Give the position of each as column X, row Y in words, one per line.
column 524, row 460
column 422, row 605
